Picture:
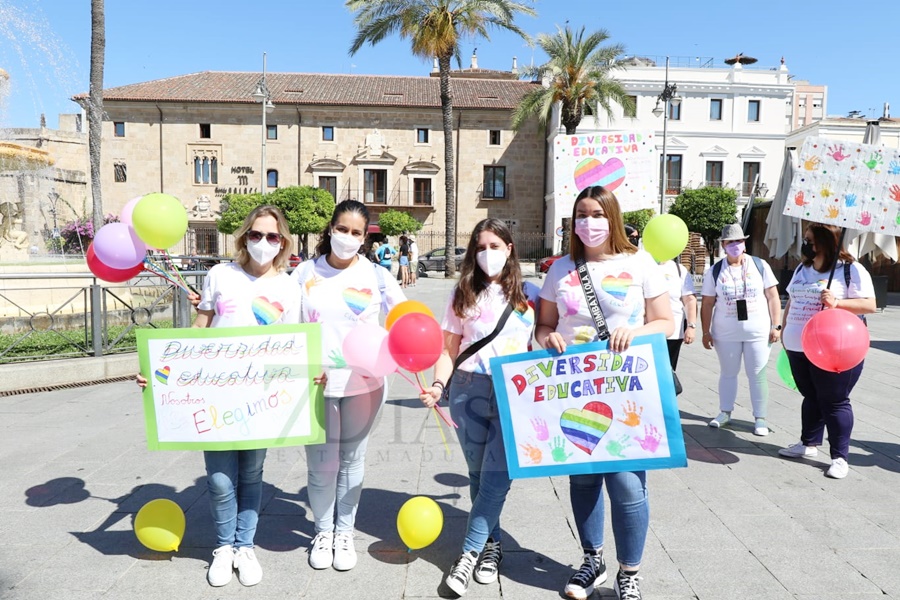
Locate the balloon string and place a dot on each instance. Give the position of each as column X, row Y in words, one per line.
column 421, row 377
column 412, row 382
column 443, row 437
column 157, row 270
column 445, row 416
column 187, row 287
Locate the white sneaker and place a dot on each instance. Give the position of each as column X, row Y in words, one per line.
column 721, row 420
column 249, row 571
column 222, row 567
column 838, row 469
column 798, row 450
column 321, row 553
column 344, row 552
column 760, row 428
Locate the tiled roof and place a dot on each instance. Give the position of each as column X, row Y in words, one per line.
column 323, row 89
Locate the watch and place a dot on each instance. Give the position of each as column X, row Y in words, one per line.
column 692, row 325
column 776, row 327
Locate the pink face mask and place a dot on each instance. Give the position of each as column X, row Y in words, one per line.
column 592, row 231
column 735, row 249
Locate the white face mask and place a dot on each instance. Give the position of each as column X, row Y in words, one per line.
column 491, row 261
column 262, row 251
column 344, row 245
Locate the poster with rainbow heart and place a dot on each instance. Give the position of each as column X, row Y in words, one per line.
column 232, row 388
column 624, row 162
column 589, row 410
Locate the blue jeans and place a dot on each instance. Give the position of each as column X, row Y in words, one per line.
column 629, row 506
column 234, row 481
column 473, row 407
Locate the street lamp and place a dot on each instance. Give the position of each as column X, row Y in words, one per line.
column 263, row 96
column 667, row 96
column 55, row 235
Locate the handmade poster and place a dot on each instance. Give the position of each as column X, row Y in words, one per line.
column 589, row 410
column 624, row 162
column 846, row 184
column 232, row 388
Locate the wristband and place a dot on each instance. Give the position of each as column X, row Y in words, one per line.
column 438, row 383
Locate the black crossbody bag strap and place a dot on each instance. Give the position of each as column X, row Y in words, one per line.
column 471, row 350
column 587, row 286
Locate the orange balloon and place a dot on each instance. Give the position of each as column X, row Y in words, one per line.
column 405, row 308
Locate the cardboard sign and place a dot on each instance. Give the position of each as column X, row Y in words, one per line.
column 232, row 388
column 589, row 410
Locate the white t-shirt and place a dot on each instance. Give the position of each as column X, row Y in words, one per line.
column 239, row 299
column 413, row 252
column 339, row 299
column 622, row 282
column 742, row 281
column 679, row 285
column 805, row 290
column 481, row 320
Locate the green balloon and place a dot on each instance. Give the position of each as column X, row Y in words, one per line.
column 665, row 237
column 784, row 370
column 160, row 220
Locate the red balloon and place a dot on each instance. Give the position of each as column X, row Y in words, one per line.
column 415, row 341
column 107, row 273
column 835, row 340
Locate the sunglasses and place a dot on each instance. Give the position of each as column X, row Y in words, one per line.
column 273, row 238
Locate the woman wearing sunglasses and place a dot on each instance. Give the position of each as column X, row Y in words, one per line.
column 253, row 290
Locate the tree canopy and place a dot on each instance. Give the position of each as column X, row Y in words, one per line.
column 307, row 209
column 706, row 211
column 396, row 222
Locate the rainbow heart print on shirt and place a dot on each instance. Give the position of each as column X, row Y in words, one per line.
column 357, row 300
column 591, row 171
column 584, row 427
column 617, row 286
column 266, row 312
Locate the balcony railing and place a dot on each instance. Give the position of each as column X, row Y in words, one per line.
column 397, row 198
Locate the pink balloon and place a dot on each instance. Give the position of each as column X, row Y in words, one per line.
column 125, row 216
column 366, row 351
column 835, row 340
column 118, row 246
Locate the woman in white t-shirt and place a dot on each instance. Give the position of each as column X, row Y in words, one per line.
column 741, row 317
column 632, row 294
column 253, row 290
column 684, row 307
column 826, row 395
column 339, row 289
column 490, row 281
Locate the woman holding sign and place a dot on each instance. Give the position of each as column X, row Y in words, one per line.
column 339, row 289
column 632, row 294
column 826, row 395
column 489, row 314
column 253, row 290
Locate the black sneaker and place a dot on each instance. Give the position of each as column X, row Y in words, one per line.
column 458, row 579
column 592, row 573
column 627, row 587
column 489, row 564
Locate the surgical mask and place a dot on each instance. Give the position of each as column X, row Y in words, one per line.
column 262, row 251
column 592, row 231
column 735, row 249
column 491, row 261
column 807, row 250
column 344, row 245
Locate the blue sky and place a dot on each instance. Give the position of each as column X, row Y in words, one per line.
column 45, row 44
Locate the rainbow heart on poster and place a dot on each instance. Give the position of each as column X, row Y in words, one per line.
column 617, row 286
column 357, row 300
column 591, row 171
column 266, row 312
column 162, row 375
column 584, row 427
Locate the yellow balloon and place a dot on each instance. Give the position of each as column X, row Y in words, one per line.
column 665, row 237
column 419, row 522
column 160, row 220
column 159, row 525
column 404, row 308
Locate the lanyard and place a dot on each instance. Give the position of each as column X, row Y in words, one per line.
column 743, row 278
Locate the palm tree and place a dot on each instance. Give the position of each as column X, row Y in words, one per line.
column 435, row 28
column 95, row 106
column 579, row 71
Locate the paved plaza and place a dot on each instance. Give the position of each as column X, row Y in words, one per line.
column 739, row 522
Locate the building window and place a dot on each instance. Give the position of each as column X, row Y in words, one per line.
column 753, row 111
column 206, row 170
column 327, row 133
column 271, row 132
column 375, row 186
column 715, row 110
column 119, row 129
column 205, row 131
column 206, row 240
column 422, row 191
column 421, row 135
column 675, row 111
column 714, row 170
column 494, row 137
column 329, row 184
column 631, row 112
column 494, row 182
column 751, row 171
column 120, row 172
column 272, row 178
column 673, row 174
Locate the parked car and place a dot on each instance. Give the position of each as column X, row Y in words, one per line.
column 544, row 263
column 434, row 261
